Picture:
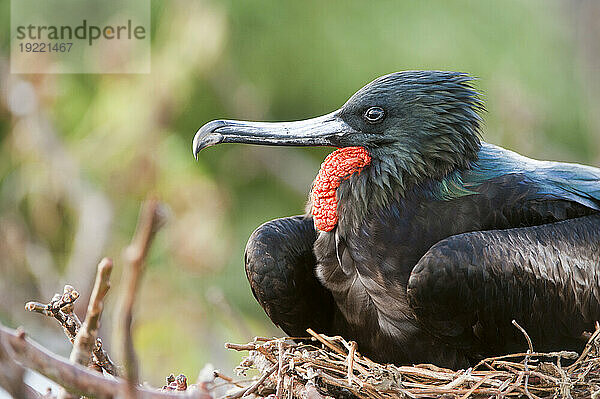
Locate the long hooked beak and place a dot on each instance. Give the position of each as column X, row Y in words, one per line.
column 324, row 130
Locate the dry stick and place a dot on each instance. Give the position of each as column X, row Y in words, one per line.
column 38, row 307
column 529, row 343
column 351, row 353
column 588, row 347
column 11, row 373
column 150, row 221
column 515, row 385
column 478, row 384
column 263, row 351
column 66, row 304
column 324, row 365
column 581, row 376
column 100, row 357
column 334, row 348
column 560, row 354
column 328, row 344
column 526, row 373
column 240, row 347
column 425, row 373
column 86, row 337
column 280, row 369
column 254, row 387
column 103, row 360
column 306, row 391
column 526, row 360
column 61, row 308
column 85, row 341
column 461, row 379
column 342, row 384
column 227, row 379
column 565, row 383
column 74, row 377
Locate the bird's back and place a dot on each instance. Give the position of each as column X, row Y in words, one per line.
column 551, row 180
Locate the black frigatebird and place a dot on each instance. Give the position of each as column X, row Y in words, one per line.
column 421, row 241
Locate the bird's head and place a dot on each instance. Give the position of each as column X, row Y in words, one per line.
column 426, row 120
column 406, row 127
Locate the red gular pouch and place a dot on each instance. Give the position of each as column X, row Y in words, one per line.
column 337, row 167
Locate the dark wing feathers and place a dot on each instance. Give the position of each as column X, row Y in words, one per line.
column 526, row 262
column 280, row 266
column 467, row 288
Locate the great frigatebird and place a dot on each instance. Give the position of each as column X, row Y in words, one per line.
column 420, row 241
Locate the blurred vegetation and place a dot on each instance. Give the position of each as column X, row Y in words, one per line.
column 72, row 178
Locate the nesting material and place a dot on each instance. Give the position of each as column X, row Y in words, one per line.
column 322, row 366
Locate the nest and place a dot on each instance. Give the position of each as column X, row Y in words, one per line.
column 323, row 366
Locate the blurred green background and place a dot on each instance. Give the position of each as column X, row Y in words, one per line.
column 79, row 152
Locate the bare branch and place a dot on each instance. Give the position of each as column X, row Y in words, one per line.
column 527, row 358
column 11, row 373
column 529, row 343
column 252, row 388
column 38, row 308
column 150, row 221
column 74, row 377
column 280, row 356
column 351, row 354
column 60, row 307
column 85, row 341
column 102, row 360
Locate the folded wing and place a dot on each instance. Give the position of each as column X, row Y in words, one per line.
column 280, row 266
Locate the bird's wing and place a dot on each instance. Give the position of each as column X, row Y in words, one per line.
column 527, row 263
column 280, row 266
column 469, row 287
column 551, row 180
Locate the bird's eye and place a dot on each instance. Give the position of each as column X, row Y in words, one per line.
column 374, row 114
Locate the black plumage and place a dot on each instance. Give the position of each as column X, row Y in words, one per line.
column 280, row 268
column 440, row 241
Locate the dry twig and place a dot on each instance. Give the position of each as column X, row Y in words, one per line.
column 87, row 334
column 74, row 377
column 11, row 373
column 526, row 359
column 254, row 387
column 61, row 308
column 86, row 339
column 150, row 221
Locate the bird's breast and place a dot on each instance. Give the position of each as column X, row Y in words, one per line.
column 337, row 167
column 361, row 293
